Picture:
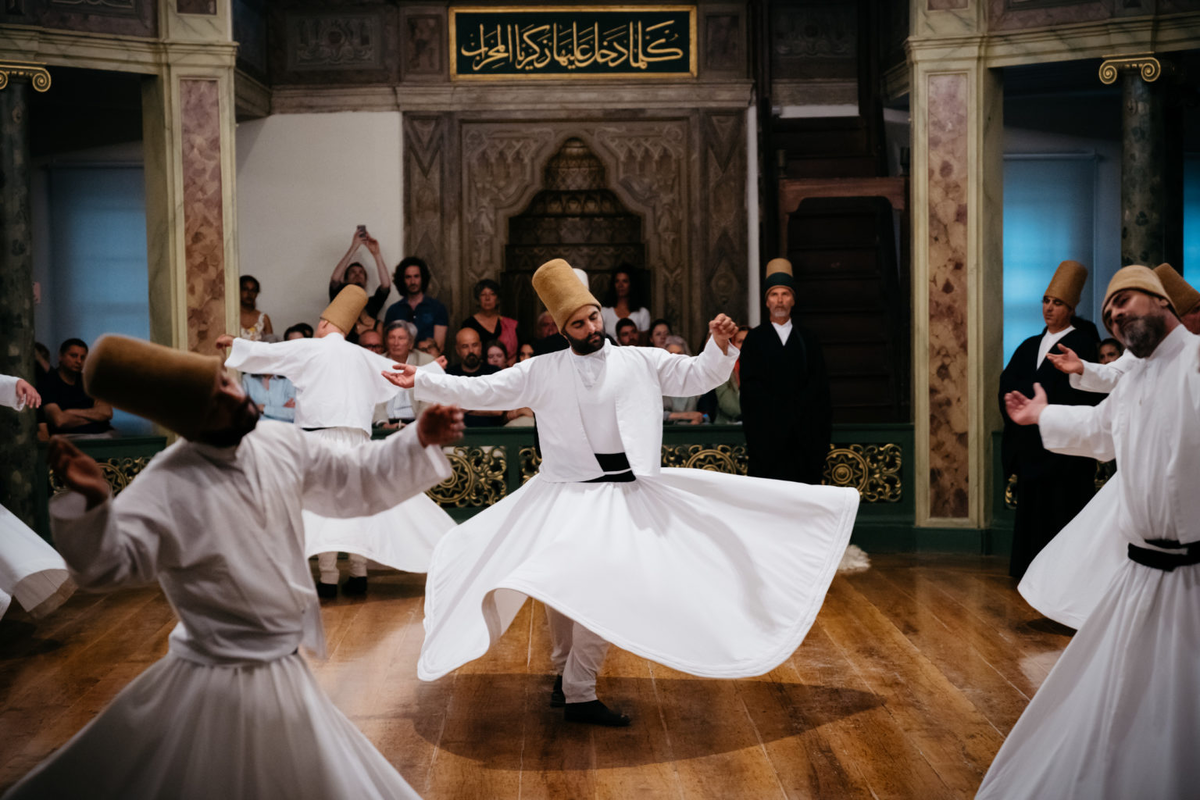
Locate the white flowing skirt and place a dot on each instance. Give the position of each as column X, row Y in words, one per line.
column 403, row 537
column 30, row 570
column 185, row 730
column 1119, row 715
column 1071, row 575
column 710, row 574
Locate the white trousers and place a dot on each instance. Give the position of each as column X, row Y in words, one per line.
column 327, row 562
column 577, row 654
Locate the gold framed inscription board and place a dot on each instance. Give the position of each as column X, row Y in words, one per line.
column 565, row 42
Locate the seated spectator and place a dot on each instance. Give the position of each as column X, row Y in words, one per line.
column 681, row 410
column 301, row 330
column 412, row 280
column 625, row 300
column 67, row 407
column 256, row 325
column 729, row 394
column 1110, row 351
column 471, row 365
column 429, row 347
column 627, row 333
column 348, row 271
column 524, row 352
column 487, row 321
column 41, row 362
column 660, row 329
column 274, row 395
column 548, row 339
column 497, row 355
column 398, row 346
column 371, row 340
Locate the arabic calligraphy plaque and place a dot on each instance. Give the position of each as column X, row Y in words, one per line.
column 551, row 42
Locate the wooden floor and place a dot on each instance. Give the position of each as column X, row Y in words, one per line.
column 905, row 688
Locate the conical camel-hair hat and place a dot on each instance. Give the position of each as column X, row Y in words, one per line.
column 344, row 310
column 171, row 387
column 561, row 291
column 1182, row 295
column 1067, row 283
column 779, row 273
column 1135, row 276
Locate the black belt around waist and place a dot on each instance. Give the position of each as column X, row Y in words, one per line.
column 1156, row 559
column 616, row 469
column 316, row 429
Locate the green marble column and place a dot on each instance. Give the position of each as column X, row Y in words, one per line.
column 1143, row 198
column 18, row 431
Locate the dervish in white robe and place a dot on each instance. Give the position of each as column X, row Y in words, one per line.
column 1119, row 715
column 338, row 385
column 711, row 574
column 30, row 570
column 232, row 710
column 1066, row 581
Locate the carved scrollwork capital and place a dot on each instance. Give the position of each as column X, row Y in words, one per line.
column 36, row 72
column 119, row 472
column 1147, row 65
column 872, row 469
column 478, row 477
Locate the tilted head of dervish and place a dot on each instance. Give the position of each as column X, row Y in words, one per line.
column 575, row 309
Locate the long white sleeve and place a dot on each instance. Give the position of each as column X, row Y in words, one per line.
column 267, row 358
column 8, row 392
column 504, row 390
column 371, row 478
column 1102, row 378
column 115, row 544
column 1079, row 430
column 686, row 376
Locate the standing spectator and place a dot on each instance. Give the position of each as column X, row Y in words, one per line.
column 256, row 325
column 301, row 330
column 67, row 407
column 429, row 315
column 371, row 340
column 471, row 365
column 487, row 321
column 729, row 393
column 524, row 352
column 627, row 333
column 1051, row 488
column 681, row 410
column 784, row 389
column 497, row 356
column 548, row 338
column 660, row 329
column 353, row 272
column 402, row 409
column 625, row 300
column 1110, row 351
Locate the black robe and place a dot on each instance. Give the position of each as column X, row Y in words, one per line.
column 1051, row 488
column 785, row 404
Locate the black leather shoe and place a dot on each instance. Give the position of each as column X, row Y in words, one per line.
column 557, row 698
column 326, row 591
column 595, row 713
column 355, row 586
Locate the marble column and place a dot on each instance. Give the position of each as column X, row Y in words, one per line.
column 18, row 431
column 1143, row 198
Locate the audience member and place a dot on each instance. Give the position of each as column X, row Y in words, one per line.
column 301, row 330
column 347, row 272
column 729, row 394
column 681, row 410
column 548, row 339
column 402, row 409
column 274, row 395
column 627, row 334
column 784, row 394
column 41, row 362
column 625, row 300
column 1110, row 351
column 487, row 321
column 67, row 407
column 497, row 355
column 371, row 340
column 471, row 365
column 429, row 315
column 256, row 325
column 660, row 329
column 524, row 352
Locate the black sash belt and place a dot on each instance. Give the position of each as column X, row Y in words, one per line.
column 1156, row 559
column 616, row 469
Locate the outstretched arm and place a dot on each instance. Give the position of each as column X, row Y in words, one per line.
column 266, row 358
column 507, row 389
column 339, row 272
column 1070, row 430
column 17, row 393
column 684, row 376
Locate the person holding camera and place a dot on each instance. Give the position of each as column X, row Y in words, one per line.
column 349, row 272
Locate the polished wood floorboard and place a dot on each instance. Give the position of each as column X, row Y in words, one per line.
column 911, row 677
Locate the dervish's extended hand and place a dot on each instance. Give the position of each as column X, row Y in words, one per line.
column 1066, row 361
column 27, row 395
column 405, row 378
column 78, row 471
column 723, row 329
column 224, row 340
column 440, row 425
column 441, row 361
column 1024, row 411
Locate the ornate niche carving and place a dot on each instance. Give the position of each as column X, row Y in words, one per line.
column 576, row 217
column 722, row 285
column 425, row 186
column 423, row 46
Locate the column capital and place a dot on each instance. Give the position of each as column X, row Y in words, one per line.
column 1112, row 67
column 33, row 71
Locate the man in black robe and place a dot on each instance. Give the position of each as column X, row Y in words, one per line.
column 785, row 390
column 1051, row 488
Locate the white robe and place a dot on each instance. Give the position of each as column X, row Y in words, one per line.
column 338, row 385
column 708, row 573
column 30, row 570
column 1119, row 715
column 232, row 710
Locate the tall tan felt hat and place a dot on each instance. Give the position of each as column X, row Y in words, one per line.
column 1137, row 277
column 779, row 273
column 1067, row 283
column 345, row 308
column 560, row 291
column 1183, row 296
column 171, row 387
